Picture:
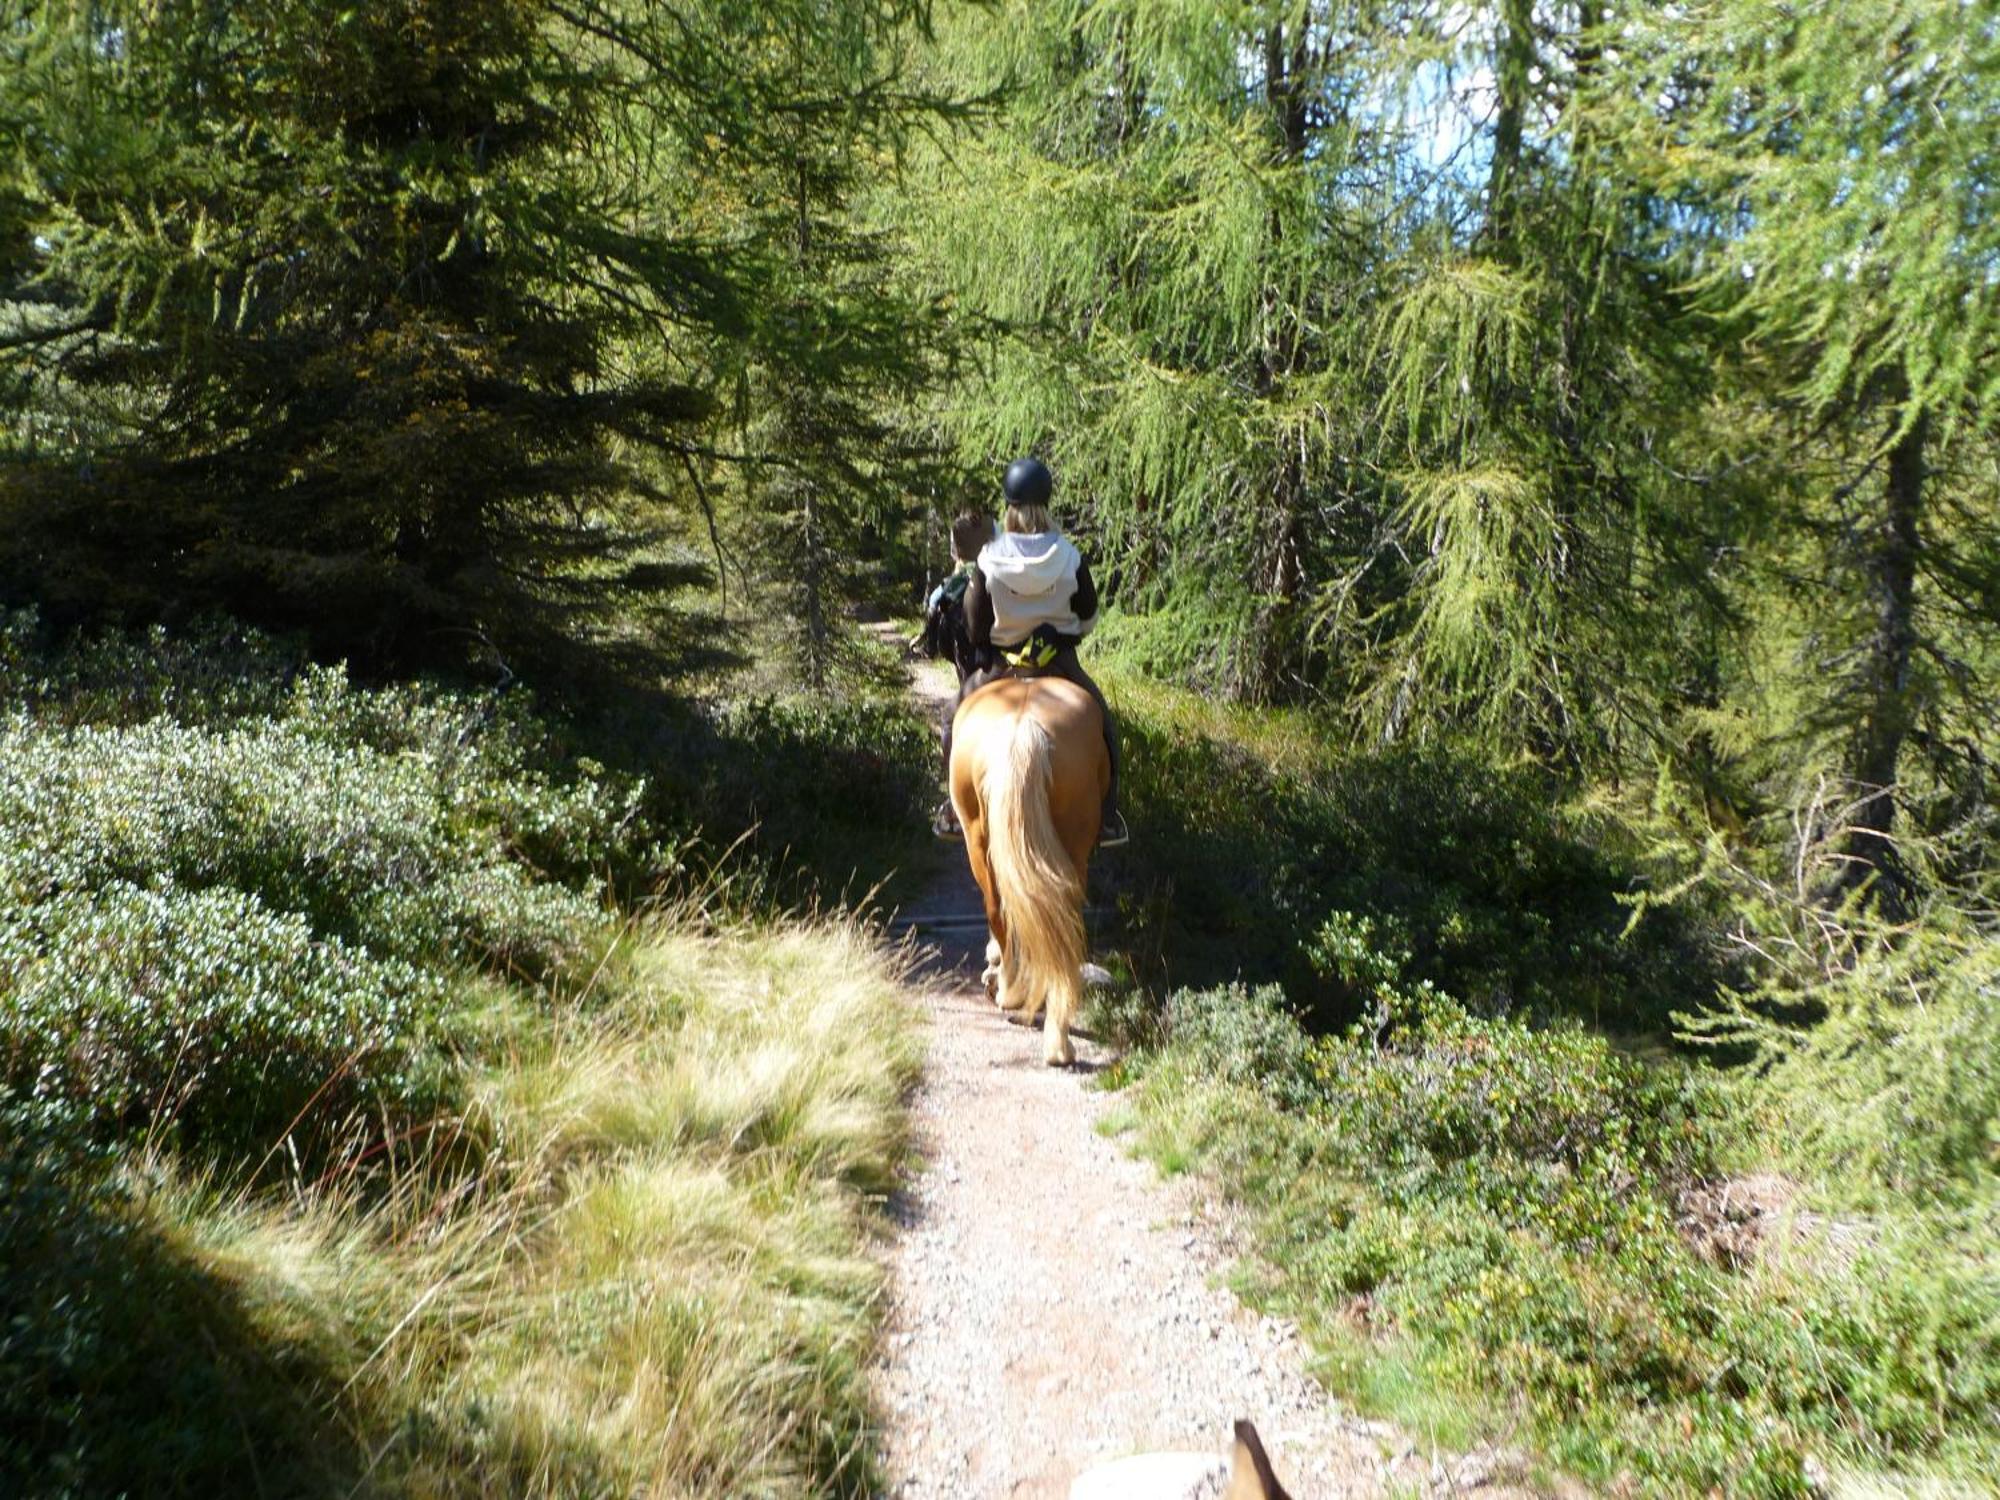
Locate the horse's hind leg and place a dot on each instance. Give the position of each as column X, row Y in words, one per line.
column 996, row 920
column 1009, row 993
column 1009, row 997
column 1057, row 1049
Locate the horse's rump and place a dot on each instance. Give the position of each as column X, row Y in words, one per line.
column 1028, row 776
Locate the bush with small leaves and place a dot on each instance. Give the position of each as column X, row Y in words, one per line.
column 208, row 673
column 1512, row 1199
column 374, row 849
column 207, row 1015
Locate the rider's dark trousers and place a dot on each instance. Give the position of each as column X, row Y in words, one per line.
column 1065, row 666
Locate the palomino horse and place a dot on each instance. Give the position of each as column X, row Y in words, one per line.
column 1028, row 776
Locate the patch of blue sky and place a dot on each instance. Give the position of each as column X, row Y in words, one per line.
column 1446, row 114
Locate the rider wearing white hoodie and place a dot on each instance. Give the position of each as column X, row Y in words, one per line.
column 1035, row 580
column 1032, row 599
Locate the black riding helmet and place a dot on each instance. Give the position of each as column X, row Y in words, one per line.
column 1028, row 482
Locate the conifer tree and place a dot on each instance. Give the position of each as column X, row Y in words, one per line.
column 1352, row 416
column 1534, row 366
column 1167, row 225
column 399, row 322
column 840, row 460
column 1833, row 167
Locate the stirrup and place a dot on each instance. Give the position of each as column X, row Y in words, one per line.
column 944, row 823
column 1114, row 833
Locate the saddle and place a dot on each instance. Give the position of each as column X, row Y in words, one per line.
column 1035, row 655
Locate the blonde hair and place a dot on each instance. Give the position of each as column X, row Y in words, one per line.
column 1029, row 518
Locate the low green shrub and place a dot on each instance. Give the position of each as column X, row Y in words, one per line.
column 1477, row 872
column 379, row 850
column 207, row 673
column 1244, row 1037
column 498, row 766
column 236, row 891
column 211, row 1018
column 1516, row 1205
column 833, row 794
column 1544, row 1128
column 497, row 762
column 1494, row 889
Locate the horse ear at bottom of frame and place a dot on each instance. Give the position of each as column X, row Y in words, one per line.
column 1245, row 1475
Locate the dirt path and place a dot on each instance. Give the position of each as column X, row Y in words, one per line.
column 1054, row 1305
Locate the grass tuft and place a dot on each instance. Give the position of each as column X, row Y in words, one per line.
column 653, row 1277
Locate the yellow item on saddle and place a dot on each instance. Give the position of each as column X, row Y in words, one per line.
column 1036, row 652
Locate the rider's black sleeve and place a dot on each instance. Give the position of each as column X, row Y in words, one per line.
column 1083, row 603
column 978, row 610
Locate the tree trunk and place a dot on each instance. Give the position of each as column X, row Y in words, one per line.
column 1516, row 61
column 1888, row 707
column 1278, row 570
column 813, row 584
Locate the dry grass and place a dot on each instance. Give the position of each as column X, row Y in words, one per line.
column 657, row 1281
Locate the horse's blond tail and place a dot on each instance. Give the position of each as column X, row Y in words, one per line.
column 1040, row 892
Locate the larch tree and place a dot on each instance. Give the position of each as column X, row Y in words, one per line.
column 1535, row 364
column 1835, row 166
column 1167, row 234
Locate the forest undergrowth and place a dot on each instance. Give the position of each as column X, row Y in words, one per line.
column 1540, row 461
column 1439, row 1031
column 400, row 1101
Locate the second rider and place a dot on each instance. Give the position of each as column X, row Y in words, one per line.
column 1032, row 600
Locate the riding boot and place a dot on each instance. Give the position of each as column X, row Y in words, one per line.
column 944, row 822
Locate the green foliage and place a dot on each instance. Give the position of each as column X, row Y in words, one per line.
column 232, row 887
column 1862, row 219
column 1545, row 1130
column 375, row 849
column 1474, row 874
column 1874, row 1046
column 236, row 897
column 373, row 444
column 811, row 773
column 1508, row 1209
column 813, row 800
column 1165, row 237
column 412, row 327
column 1897, row 1091
column 207, row 673
column 206, row 1016
column 1518, row 1210
column 1608, row 386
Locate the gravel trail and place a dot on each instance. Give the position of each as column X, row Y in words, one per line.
column 1055, row 1305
